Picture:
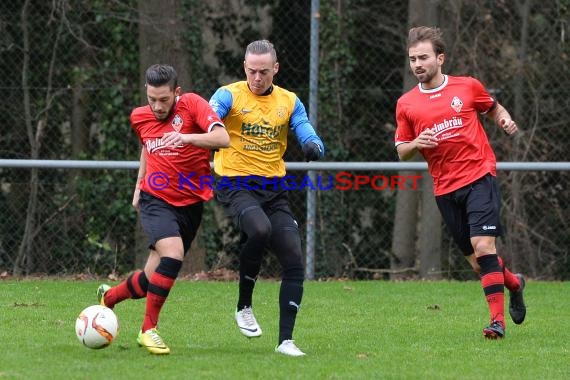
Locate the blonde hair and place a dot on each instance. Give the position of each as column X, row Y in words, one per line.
column 261, row 47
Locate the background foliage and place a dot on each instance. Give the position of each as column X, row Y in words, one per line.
column 71, row 73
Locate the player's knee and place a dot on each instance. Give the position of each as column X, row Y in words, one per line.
column 262, row 230
column 294, row 273
column 287, row 240
column 483, row 245
column 256, row 228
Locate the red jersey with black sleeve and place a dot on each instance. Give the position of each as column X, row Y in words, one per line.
column 451, row 110
column 176, row 175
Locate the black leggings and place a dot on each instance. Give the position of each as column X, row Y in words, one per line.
column 278, row 232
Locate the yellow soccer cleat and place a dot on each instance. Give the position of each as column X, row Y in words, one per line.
column 101, row 290
column 152, row 342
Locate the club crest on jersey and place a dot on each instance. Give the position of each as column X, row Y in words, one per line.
column 281, row 111
column 456, row 104
column 177, row 123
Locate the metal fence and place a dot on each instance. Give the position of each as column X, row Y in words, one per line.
column 71, row 73
column 66, row 246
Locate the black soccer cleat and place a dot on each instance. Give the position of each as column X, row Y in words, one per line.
column 495, row 330
column 517, row 308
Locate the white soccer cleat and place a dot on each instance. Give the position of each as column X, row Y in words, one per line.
column 247, row 323
column 288, row 347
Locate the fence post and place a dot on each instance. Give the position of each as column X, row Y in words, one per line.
column 313, row 106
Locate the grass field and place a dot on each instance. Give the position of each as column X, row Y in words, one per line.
column 349, row 330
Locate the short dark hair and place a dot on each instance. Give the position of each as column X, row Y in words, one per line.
column 160, row 75
column 425, row 33
column 261, row 47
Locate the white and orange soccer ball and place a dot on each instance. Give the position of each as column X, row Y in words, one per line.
column 96, row 326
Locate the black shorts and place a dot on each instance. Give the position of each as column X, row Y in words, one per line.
column 473, row 210
column 236, row 199
column 160, row 220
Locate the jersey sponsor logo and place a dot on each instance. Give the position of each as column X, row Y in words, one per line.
column 153, row 145
column 485, row 228
column 256, row 130
column 281, row 112
column 435, row 95
column 261, row 148
column 456, row 104
column 443, row 129
column 157, row 144
column 177, row 123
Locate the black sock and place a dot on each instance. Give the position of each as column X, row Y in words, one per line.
column 290, row 296
column 246, row 285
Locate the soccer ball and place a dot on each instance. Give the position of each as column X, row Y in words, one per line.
column 96, row 326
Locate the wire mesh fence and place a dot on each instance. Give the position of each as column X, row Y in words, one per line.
column 71, row 73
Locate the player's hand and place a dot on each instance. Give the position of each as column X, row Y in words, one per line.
column 312, row 151
column 426, row 139
column 509, row 126
column 173, row 139
column 136, row 197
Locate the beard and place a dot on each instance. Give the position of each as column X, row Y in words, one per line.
column 163, row 116
column 425, row 76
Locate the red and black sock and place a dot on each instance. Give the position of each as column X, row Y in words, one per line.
column 493, row 283
column 135, row 286
column 511, row 281
column 161, row 281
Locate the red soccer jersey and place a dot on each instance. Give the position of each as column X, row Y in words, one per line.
column 176, row 175
column 451, row 110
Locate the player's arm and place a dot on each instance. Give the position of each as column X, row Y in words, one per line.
column 502, row 119
column 407, row 143
column 311, row 143
column 208, row 120
column 406, row 150
column 426, row 140
column 221, row 102
column 140, row 178
column 216, row 138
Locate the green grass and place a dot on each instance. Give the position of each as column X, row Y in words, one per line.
column 349, row 330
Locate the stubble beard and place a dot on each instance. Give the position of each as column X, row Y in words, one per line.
column 425, row 77
column 164, row 116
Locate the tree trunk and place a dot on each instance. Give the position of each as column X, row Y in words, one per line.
column 79, row 128
column 197, row 260
column 513, row 232
column 429, row 232
column 24, row 259
column 403, row 238
column 161, row 40
column 420, row 12
column 23, row 250
column 79, row 140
